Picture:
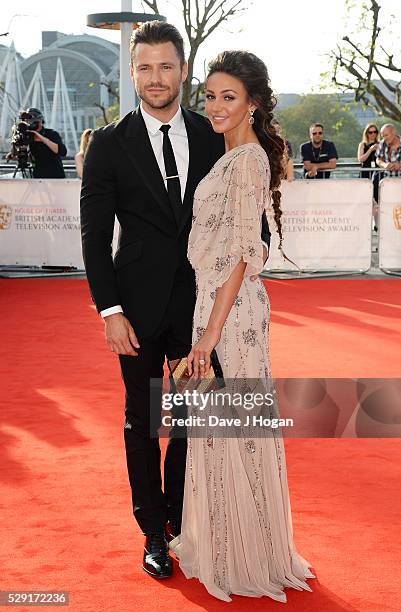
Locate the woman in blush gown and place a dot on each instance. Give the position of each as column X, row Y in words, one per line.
column 236, row 534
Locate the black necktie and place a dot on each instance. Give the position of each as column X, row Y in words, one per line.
column 173, row 181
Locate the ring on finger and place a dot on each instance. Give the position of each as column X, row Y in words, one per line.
column 202, row 361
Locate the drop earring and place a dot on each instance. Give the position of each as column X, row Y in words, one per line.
column 251, row 118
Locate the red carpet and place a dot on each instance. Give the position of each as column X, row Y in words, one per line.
column 65, row 500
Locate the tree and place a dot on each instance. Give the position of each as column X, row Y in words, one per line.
column 201, row 19
column 362, row 65
column 111, row 113
column 340, row 125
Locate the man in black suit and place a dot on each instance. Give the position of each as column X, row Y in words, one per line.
column 144, row 169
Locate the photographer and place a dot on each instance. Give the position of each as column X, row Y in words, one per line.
column 45, row 146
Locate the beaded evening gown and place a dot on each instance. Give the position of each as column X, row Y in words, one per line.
column 236, row 533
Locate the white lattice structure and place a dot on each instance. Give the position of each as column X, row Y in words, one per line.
column 88, row 64
column 61, row 118
column 12, row 93
column 36, row 95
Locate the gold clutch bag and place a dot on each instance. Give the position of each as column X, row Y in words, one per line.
column 184, row 382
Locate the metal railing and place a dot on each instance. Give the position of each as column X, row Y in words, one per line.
column 8, row 169
column 344, row 169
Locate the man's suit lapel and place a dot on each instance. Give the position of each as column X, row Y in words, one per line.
column 138, row 149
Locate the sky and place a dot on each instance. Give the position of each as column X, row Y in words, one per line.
column 292, row 37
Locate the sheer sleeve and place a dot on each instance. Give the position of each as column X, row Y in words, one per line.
column 218, row 242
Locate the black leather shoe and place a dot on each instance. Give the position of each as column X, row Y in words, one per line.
column 171, row 530
column 156, row 560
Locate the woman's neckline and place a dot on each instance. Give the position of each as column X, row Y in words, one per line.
column 246, row 144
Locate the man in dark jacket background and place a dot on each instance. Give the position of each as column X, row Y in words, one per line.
column 318, row 155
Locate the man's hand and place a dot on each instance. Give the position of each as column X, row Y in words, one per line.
column 120, row 336
column 53, row 146
column 390, row 166
column 38, row 137
column 312, row 171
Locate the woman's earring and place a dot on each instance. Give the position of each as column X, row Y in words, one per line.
column 251, row 118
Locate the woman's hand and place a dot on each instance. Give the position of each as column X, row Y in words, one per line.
column 265, row 256
column 199, row 357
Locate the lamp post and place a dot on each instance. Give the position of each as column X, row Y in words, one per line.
column 125, row 21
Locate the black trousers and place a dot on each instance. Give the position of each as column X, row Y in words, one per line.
column 151, row 505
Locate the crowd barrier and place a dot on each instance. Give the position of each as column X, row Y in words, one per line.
column 40, row 224
column 326, row 225
column 390, row 225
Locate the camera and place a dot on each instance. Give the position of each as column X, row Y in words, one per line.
column 21, row 138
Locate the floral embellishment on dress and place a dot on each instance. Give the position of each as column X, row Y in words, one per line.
column 211, row 220
column 249, row 336
column 250, row 446
column 238, row 301
column 213, row 295
column 209, row 441
column 199, row 332
column 264, row 325
column 229, row 221
column 243, row 387
column 252, row 251
column 261, row 293
column 221, row 263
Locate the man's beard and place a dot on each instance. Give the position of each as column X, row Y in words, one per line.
column 161, row 103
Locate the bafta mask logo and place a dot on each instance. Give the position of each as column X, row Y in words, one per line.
column 5, row 216
column 397, row 217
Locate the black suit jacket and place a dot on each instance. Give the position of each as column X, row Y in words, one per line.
column 121, row 177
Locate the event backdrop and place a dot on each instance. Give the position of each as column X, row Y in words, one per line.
column 326, row 224
column 390, row 224
column 40, row 222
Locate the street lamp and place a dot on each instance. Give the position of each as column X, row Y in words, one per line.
column 125, row 21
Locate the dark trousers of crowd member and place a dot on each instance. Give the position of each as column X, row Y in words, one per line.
column 376, row 180
column 173, row 338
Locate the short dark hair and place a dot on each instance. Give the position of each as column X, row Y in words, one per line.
column 316, row 125
column 157, row 32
